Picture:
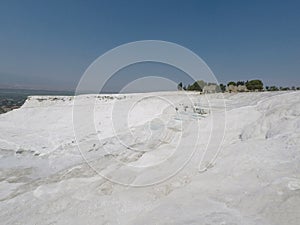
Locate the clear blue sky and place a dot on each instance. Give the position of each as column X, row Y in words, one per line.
column 49, row 44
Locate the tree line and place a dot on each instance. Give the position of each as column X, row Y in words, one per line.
column 251, row 85
column 196, row 86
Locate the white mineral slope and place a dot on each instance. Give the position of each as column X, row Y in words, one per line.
column 255, row 178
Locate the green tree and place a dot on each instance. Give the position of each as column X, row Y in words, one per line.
column 240, row 83
column 201, row 84
column 273, row 88
column 222, row 87
column 254, row 85
column 194, row 87
column 231, row 83
column 179, row 86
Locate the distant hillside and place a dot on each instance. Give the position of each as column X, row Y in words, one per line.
column 14, row 98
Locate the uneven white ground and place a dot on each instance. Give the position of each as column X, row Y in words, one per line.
column 139, row 140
